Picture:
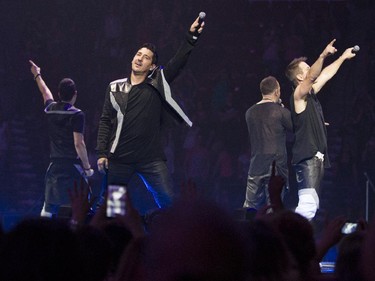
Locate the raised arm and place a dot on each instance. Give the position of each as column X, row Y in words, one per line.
column 173, row 67
column 196, row 27
column 313, row 73
column 329, row 71
column 46, row 93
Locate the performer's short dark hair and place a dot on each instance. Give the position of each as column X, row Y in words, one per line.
column 268, row 85
column 67, row 89
column 293, row 70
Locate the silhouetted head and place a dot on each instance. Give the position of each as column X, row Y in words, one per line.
column 298, row 235
column 67, row 89
column 40, row 249
column 269, row 85
column 195, row 240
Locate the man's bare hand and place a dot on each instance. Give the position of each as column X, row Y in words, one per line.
column 195, row 24
column 102, row 165
column 348, row 54
column 329, row 50
column 35, row 70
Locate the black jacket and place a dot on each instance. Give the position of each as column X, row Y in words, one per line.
column 110, row 123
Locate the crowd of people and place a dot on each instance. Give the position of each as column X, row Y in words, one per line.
column 193, row 239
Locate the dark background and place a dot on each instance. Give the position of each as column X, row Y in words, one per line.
column 94, row 41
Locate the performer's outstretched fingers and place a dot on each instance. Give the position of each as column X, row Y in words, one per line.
column 332, row 42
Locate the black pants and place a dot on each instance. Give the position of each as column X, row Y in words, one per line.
column 257, row 194
column 155, row 176
column 60, row 176
column 309, row 174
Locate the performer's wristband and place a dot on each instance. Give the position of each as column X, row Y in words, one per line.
column 88, row 172
column 36, row 76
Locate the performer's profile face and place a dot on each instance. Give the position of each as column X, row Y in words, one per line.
column 142, row 61
column 304, row 67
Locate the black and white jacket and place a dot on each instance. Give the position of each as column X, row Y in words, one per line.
column 159, row 78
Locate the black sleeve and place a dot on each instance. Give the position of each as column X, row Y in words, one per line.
column 48, row 102
column 105, row 127
column 78, row 122
column 179, row 60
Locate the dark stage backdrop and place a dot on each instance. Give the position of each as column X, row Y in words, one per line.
column 94, row 41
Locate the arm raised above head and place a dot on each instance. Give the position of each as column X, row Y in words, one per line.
column 330, row 71
column 173, row 67
column 310, row 80
column 45, row 91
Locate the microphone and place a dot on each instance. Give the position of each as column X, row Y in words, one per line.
column 355, row 49
column 202, row 15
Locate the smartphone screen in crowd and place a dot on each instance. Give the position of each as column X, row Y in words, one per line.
column 349, row 227
column 116, row 200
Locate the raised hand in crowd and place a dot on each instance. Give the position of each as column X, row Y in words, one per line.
column 275, row 188
column 263, row 211
column 132, row 220
column 79, row 198
column 331, row 235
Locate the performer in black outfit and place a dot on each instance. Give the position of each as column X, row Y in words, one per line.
column 68, row 154
column 129, row 135
column 310, row 146
column 267, row 122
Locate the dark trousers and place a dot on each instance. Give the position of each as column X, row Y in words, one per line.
column 257, row 191
column 155, row 176
column 309, row 173
column 257, row 194
column 60, row 176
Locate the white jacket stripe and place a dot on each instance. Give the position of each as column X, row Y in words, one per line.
column 120, row 120
column 172, row 102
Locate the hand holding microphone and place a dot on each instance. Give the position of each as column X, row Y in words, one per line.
column 355, row 49
column 351, row 52
column 197, row 26
column 201, row 17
